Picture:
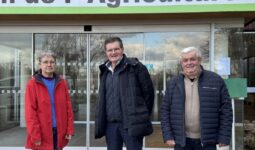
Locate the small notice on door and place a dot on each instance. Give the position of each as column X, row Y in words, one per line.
column 223, row 66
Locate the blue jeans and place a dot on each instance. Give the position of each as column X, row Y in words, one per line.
column 116, row 135
column 55, row 138
column 194, row 144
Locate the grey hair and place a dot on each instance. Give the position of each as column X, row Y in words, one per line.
column 47, row 53
column 190, row 49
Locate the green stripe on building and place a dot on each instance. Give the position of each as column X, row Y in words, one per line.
column 130, row 9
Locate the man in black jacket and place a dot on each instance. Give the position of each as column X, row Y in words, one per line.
column 196, row 113
column 125, row 102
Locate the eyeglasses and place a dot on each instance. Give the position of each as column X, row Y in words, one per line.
column 48, row 62
column 113, row 50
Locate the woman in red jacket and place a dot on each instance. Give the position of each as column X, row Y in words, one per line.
column 48, row 110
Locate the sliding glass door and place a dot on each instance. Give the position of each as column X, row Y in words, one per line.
column 78, row 58
column 15, row 70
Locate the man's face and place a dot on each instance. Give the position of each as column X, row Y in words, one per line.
column 114, row 52
column 190, row 64
column 47, row 65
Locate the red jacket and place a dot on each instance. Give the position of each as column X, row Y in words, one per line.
column 38, row 114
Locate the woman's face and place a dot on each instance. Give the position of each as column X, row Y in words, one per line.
column 47, row 65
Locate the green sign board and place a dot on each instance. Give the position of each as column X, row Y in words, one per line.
column 123, row 6
column 237, row 87
column 130, row 9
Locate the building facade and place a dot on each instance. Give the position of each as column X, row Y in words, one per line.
column 155, row 32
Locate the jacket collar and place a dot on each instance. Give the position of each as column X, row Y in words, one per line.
column 200, row 74
column 125, row 60
column 180, row 82
column 38, row 77
column 108, row 64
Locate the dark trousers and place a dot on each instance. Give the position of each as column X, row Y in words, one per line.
column 116, row 135
column 55, row 138
column 194, row 144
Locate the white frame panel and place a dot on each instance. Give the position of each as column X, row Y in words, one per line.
column 251, row 89
column 105, row 28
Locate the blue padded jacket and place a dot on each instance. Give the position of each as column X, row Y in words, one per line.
column 215, row 110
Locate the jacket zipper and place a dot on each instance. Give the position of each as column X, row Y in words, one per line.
column 184, row 134
column 201, row 138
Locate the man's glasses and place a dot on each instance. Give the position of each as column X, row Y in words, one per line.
column 113, row 50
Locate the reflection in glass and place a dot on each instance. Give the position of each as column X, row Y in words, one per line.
column 96, row 142
column 15, row 70
column 155, row 140
column 162, row 51
column 249, row 70
column 9, row 82
column 71, row 50
column 151, row 49
column 249, row 42
column 80, row 136
column 249, row 103
column 133, row 47
column 229, row 45
column 71, row 63
column 249, row 122
column 239, row 107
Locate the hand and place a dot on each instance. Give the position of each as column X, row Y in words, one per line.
column 37, row 143
column 222, row 145
column 170, row 143
column 68, row 137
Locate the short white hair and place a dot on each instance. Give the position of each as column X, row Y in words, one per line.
column 190, row 49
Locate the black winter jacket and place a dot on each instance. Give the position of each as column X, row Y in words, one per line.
column 215, row 110
column 137, row 97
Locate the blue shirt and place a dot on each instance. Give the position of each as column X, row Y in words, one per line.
column 50, row 84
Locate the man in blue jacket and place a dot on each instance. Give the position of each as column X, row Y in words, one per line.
column 125, row 102
column 196, row 113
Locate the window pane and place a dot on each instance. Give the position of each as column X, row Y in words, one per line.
column 71, row 50
column 249, row 122
column 229, row 45
column 71, row 63
column 15, row 70
column 133, row 47
column 162, row 52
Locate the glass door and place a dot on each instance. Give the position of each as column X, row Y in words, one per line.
column 159, row 52
column 9, row 86
column 79, row 56
column 71, row 50
column 162, row 51
column 15, row 70
column 133, row 47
